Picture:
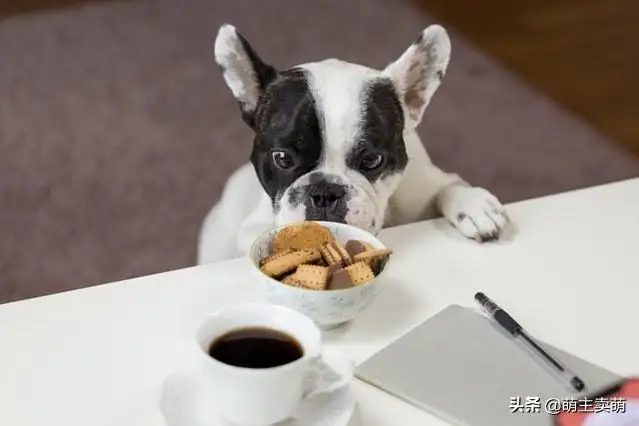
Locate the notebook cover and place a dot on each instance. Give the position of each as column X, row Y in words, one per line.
column 461, row 366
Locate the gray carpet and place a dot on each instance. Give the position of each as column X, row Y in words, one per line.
column 116, row 132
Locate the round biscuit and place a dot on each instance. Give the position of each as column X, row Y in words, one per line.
column 306, row 235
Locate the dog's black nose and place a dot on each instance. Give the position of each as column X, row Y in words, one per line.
column 325, row 195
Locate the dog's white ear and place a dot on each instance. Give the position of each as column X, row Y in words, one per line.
column 244, row 72
column 419, row 71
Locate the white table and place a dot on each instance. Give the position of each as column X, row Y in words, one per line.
column 98, row 356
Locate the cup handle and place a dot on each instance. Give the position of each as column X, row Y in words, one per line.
column 329, row 372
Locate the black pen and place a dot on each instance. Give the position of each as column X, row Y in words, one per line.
column 513, row 327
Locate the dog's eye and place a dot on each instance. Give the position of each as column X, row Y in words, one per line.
column 371, row 161
column 282, row 159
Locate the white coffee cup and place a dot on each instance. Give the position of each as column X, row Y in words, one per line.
column 258, row 396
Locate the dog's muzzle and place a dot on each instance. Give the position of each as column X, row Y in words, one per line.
column 326, row 201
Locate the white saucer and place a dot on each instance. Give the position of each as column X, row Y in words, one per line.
column 181, row 406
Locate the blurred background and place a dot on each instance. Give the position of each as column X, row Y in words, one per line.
column 117, row 131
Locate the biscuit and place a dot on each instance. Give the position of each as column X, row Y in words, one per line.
column 335, row 253
column 340, row 280
column 374, row 254
column 311, row 276
column 275, row 256
column 292, row 281
column 374, row 257
column 290, row 261
column 307, row 235
column 368, row 246
column 346, row 257
column 355, row 247
column 331, row 255
column 360, row 272
column 333, row 269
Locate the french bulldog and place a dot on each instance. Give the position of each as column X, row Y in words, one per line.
column 337, row 141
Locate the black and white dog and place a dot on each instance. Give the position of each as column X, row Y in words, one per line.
column 336, row 141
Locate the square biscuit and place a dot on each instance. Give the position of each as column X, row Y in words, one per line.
column 360, row 272
column 292, row 281
column 312, row 276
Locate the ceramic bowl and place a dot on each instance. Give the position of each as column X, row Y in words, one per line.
column 328, row 308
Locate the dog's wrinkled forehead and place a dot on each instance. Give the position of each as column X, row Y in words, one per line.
column 342, row 94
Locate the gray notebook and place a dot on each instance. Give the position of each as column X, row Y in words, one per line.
column 462, row 367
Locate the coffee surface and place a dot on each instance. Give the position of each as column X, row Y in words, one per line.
column 256, row 347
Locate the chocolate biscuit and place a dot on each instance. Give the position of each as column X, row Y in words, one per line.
column 340, row 280
column 354, row 247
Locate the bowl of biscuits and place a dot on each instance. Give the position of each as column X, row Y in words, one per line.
column 327, row 271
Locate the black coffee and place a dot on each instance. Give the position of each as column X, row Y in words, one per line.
column 256, row 348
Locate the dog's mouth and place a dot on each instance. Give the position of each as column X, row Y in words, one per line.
column 330, row 212
column 325, row 217
column 329, row 199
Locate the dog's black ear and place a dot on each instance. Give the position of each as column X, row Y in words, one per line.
column 244, row 72
column 419, row 71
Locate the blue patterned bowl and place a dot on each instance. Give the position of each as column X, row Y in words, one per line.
column 328, row 308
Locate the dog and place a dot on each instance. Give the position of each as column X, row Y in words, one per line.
column 337, row 141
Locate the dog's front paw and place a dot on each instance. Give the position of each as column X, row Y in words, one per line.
column 475, row 212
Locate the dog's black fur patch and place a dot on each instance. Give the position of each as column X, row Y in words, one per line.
column 286, row 119
column 381, row 132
